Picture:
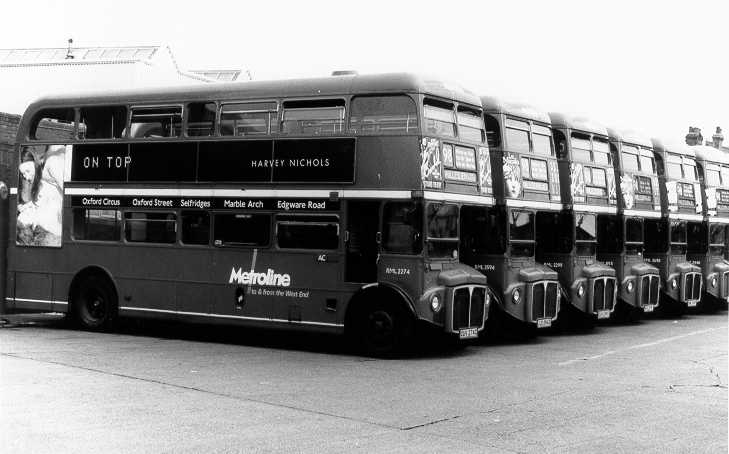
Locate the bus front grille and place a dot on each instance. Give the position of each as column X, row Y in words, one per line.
column 469, row 307
column 649, row 285
column 692, row 287
column 603, row 294
column 544, row 300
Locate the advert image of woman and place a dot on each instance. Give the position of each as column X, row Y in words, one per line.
column 40, row 197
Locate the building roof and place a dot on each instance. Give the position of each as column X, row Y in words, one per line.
column 62, row 55
column 493, row 104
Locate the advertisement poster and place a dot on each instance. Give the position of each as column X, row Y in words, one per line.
column 40, row 196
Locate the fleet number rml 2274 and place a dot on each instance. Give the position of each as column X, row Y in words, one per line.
column 398, row 271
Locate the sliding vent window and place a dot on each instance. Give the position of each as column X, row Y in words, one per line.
column 248, row 119
column 96, row 225
column 307, row 232
column 156, row 121
column 102, row 122
column 439, row 119
column 251, row 230
column 150, row 227
column 201, row 119
column 470, row 125
column 316, row 117
column 53, row 124
column 383, row 115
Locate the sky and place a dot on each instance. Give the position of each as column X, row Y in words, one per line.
column 656, row 67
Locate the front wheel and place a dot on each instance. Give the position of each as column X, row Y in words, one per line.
column 94, row 304
column 385, row 330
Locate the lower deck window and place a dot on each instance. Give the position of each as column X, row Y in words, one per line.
column 195, row 227
column 242, row 229
column 96, row 225
column 307, row 232
column 150, row 227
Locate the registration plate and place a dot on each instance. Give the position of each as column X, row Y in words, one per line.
column 648, row 308
column 691, row 303
column 603, row 314
column 544, row 323
column 468, row 333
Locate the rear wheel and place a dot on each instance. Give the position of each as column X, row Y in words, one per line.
column 385, row 330
column 94, row 303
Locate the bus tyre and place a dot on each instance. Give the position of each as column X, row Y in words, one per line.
column 385, row 330
column 94, row 303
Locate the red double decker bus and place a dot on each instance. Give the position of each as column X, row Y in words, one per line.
column 330, row 204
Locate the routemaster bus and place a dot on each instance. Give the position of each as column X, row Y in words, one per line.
column 666, row 238
column 587, row 180
column 525, row 181
column 329, row 204
column 620, row 238
column 707, row 241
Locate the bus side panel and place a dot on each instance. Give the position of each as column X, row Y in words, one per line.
column 226, row 274
column 385, row 154
column 147, row 277
column 60, row 286
column 34, row 290
column 194, row 291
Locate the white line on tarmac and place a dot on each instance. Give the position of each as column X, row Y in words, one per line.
column 634, row 347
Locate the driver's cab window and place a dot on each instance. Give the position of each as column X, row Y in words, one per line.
column 401, row 228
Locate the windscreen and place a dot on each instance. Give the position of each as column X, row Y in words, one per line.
column 442, row 221
column 585, row 234
column 521, row 233
column 717, row 239
column 634, row 235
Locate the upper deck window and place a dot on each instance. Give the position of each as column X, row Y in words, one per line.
column 542, row 140
column 724, row 175
column 439, row 118
column 689, row 169
column 383, row 115
column 156, row 121
column 673, row 166
column 53, row 124
column 248, row 119
column 581, row 147
column 630, row 158
column 470, row 125
column 647, row 163
column 517, row 135
column 712, row 177
column 601, row 151
column 102, row 122
column 201, row 119
column 315, row 117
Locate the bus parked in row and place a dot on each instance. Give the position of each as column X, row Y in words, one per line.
column 620, row 237
column 331, row 204
column 707, row 241
column 569, row 240
column 525, row 181
column 666, row 238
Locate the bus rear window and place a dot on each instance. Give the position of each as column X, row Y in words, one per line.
column 439, row 118
column 201, row 119
column 150, row 227
column 53, row 124
column 248, row 119
column 307, row 232
column 316, row 117
column 96, row 225
column 252, row 230
column 102, row 122
column 156, row 121
column 383, row 115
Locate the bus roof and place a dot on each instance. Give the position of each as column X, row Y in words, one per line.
column 584, row 124
column 711, row 154
column 493, row 104
column 350, row 84
column 630, row 136
column 671, row 146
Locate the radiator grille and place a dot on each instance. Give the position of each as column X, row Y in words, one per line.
column 603, row 294
column 469, row 307
column 649, row 286
column 544, row 300
column 692, row 287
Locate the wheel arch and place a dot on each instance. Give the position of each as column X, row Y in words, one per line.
column 377, row 292
column 85, row 272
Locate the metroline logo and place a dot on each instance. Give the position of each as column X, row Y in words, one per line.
column 269, row 278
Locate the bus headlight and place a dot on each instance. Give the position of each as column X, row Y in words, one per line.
column 629, row 286
column 674, row 284
column 713, row 281
column 580, row 290
column 516, row 296
column 435, row 303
